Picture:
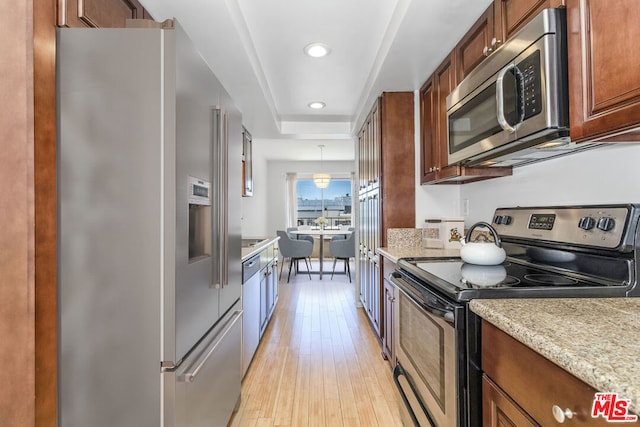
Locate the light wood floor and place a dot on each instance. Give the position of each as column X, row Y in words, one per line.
column 319, row 362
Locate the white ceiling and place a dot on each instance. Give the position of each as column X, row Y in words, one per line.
column 255, row 47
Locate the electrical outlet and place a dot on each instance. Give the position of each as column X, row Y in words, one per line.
column 465, row 207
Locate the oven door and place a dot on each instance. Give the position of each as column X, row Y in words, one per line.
column 430, row 356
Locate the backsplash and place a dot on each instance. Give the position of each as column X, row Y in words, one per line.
column 404, row 237
column 412, row 237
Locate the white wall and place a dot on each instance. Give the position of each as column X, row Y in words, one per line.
column 609, row 174
column 265, row 212
column 606, row 174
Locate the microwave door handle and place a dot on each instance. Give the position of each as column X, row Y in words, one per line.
column 502, row 120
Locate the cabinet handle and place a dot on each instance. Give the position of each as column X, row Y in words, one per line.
column 495, row 42
column 487, row 51
column 560, row 415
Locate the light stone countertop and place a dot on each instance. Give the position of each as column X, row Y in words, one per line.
column 256, row 249
column 595, row 339
column 395, row 253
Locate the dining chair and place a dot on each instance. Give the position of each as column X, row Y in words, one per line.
column 295, row 250
column 343, row 249
column 343, row 236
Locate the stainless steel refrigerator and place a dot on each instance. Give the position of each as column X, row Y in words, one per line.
column 149, row 269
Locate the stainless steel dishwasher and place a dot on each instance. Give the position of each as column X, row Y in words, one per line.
column 251, row 309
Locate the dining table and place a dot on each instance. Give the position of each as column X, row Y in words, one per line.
column 321, row 233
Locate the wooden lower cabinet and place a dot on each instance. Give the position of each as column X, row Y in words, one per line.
column 520, row 384
column 389, row 307
column 499, row 410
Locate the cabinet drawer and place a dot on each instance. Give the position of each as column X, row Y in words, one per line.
column 533, row 382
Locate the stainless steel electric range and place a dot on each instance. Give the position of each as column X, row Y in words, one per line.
column 552, row 252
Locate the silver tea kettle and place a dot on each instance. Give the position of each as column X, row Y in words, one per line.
column 483, row 252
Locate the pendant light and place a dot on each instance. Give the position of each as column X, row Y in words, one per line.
column 321, row 180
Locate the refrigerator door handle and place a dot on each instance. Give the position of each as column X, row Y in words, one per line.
column 220, row 163
column 190, row 377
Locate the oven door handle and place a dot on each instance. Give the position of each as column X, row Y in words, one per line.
column 398, row 372
column 443, row 313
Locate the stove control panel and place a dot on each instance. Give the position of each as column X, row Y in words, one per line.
column 606, row 227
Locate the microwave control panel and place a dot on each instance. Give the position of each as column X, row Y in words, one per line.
column 531, row 85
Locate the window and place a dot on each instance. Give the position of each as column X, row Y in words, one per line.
column 333, row 202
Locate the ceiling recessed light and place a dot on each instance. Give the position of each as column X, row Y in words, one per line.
column 317, row 105
column 317, row 50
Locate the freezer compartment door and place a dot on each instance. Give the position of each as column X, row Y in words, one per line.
column 208, row 381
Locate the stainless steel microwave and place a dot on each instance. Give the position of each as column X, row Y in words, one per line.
column 513, row 108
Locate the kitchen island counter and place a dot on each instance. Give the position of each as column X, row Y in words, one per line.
column 594, row 339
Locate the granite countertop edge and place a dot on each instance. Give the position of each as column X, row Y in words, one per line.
column 255, row 250
column 597, row 370
column 394, row 253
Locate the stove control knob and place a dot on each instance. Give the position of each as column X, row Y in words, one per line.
column 606, row 223
column 586, row 223
column 502, row 219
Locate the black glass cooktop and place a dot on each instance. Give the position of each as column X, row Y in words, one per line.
column 511, row 279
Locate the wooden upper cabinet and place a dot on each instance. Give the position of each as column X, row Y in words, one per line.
column 434, row 141
column 428, row 146
column 604, row 82
column 475, row 45
column 99, row 13
column 512, row 15
column 445, row 78
column 434, row 149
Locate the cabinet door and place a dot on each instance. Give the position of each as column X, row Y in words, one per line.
column 264, row 299
column 534, row 382
column 376, row 291
column 445, row 80
column 428, row 145
column 275, row 289
column 475, row 45
column 361, row 160
column 375, row 140
column 389, row 298
column 604, row 81
column 98, row 13
column 512, row 15
column 499, row 410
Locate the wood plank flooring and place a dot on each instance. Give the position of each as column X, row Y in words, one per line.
column 319, row 362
